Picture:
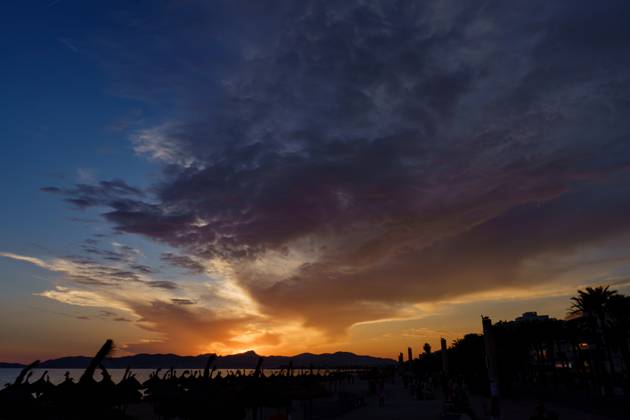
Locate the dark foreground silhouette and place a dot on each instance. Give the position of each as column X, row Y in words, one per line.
column 189, row 395
column 581, row 362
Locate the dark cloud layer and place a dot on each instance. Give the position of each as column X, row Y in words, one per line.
column 419, row 149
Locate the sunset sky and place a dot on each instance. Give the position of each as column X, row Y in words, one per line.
column 305, row 176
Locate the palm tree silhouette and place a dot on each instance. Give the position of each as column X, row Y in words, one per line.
column 592, row 302
column 427, row 349
column 593, row 305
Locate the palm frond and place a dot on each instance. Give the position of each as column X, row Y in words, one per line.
column 25, row 371
column 106, row 349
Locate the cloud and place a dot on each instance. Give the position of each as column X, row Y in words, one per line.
column 361, row 157
column 184, row 262
column 182, row 301
column 119, row 252
column 68, row 43
column 154, row 143
column 188, row 317
column 80, row 298
column 185, row 329
column 162, row 284
column 145, row 269
column 104, row 193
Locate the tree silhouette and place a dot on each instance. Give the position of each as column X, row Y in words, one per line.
column 427, row 349
column 593, row 305
column 592, row 302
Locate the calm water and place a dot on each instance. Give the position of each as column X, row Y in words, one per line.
column 57, row 375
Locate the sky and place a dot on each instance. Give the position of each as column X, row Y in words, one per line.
column 220, row 176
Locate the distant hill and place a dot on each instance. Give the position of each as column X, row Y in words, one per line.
column 245, row 360
column 11, row 365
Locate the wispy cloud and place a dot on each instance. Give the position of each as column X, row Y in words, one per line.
column 187, row 316
column 183, row 261
column 68, row 43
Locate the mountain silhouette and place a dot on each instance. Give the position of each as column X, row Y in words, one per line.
column 11, row 365
column 246, row 360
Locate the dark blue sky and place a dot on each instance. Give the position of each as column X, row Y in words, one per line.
column 283, row 175
column 59, row 116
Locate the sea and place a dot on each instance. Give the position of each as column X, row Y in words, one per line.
column 8, row 375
